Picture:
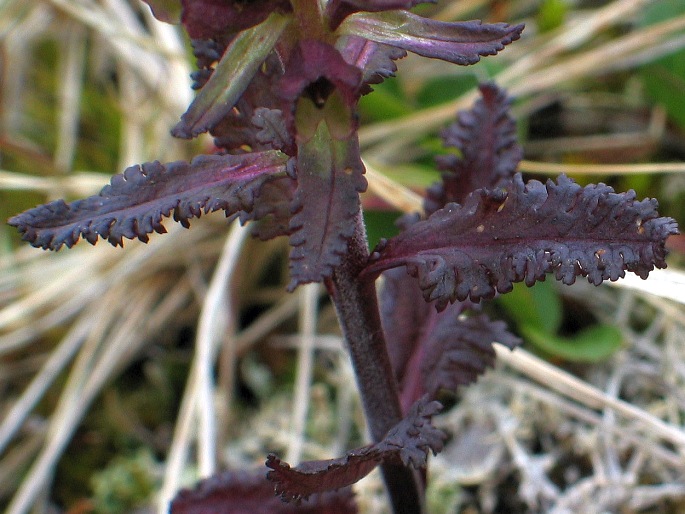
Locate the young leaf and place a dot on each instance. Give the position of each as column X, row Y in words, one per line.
column 459, row 42
column 486, row 139
column 272, row 128
column 135, row 202
column 521, row 232
column 233, row 492
column 329, row 179
column 239, row 64
column 323, row 90
column 256, row 122
column 409, row 442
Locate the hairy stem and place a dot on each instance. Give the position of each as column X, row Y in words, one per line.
column 357, row 308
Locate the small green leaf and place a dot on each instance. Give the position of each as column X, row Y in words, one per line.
column 538, row 306
column 593, row 344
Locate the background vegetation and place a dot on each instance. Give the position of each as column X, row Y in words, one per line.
column 123, row 371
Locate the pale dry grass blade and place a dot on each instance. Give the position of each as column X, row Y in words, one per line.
column 92, row 369
column 57, row 362
column 308, row 295
column 568, row 385
column 216, row 326
column 395, row 194
column 594, row 61
column 150, row 61
column 72, row 69
column 138, row 51
column 273, row 317
column 198, row 404
column 666, row 283
column 573, row 34
column 554, row 168
column 457, row 10
column 78, row 184
column 18, row 37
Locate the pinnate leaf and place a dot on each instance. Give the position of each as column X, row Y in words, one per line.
column 408, row 442
column 459, row 42
column 135, row 202
column 521, row 232
column 233, row 492
column 486, row 138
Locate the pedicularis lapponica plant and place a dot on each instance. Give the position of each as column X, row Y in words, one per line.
column 279, row 82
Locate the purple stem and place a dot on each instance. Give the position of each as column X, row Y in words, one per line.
column 357, row 307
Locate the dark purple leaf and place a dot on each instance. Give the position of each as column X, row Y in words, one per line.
column 408, row 442
column 456, row 42
column 524, row 231
column 486, row 139
column 374, row 59
column 458, row 349
column 432, row 350
column 405, row 317
column 232, row 492
column 207, row 54
column 256, row 123
column 322, row 88
column 219, row 19
column 135, row 202
column 330, row 176
column 272, row 128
